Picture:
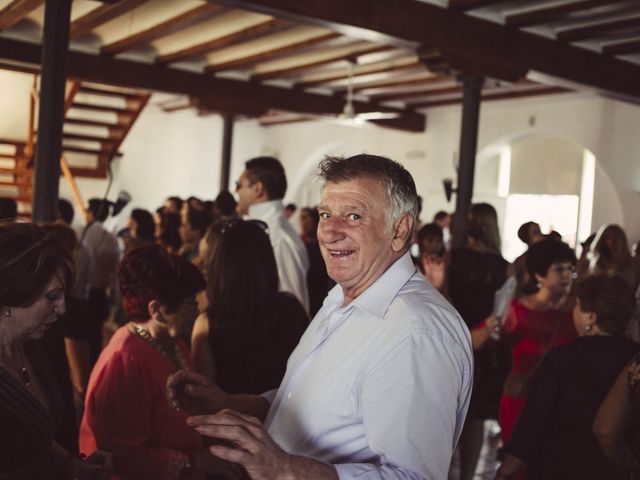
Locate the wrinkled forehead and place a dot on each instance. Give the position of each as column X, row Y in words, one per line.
column 370, row 187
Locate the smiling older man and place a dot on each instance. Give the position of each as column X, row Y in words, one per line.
column 380, row 383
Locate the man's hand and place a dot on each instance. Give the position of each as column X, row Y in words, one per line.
column 252, row 447
column 195, row 394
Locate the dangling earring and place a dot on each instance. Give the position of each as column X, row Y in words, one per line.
column 7, row 312
column 588, row 328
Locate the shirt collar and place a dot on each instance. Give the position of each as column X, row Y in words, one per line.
column 266, row 209
column 377, row 298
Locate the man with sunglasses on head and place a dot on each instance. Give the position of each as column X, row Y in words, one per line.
column 379, row 384
column 260, row 191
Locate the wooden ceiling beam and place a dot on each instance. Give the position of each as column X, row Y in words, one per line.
column 483, row 44
column 271, row 54
column 489, row 96
column 344, row 74
column 162, row 29
column 471, row 4
column 444, row 87
column 597, row 29
column 16, row 11
column 101, row 15
column 317, row 63
column 550, row 13
column 259, row 30
column 398, row 82
column 232, row 93
column 622, row 48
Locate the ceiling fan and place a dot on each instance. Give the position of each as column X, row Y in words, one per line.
column 349, row 114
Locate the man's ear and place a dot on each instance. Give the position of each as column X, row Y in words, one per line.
column 259, row 191
column 402, row 232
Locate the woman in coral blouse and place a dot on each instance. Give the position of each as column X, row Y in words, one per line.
column 536, row 323
column 126, row 411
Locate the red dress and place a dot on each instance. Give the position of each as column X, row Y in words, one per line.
column 532, row 333
column 127, row 413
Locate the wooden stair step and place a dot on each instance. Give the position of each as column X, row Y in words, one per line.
column 110, row 93
column 13, row 155
column 22, row 184
column 87, row 138
column 93, row 123
column 91, row 151
column 101, row 108
column 16, row 171
column 18, row 198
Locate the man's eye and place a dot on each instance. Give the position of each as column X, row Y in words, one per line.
column 325, row 215
column 353, row 216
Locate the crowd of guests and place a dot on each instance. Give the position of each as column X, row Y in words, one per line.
column 227, row 289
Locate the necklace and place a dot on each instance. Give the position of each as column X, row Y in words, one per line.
column 174, row 356
column 22, row 371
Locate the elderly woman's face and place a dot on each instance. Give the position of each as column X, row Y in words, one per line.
column 559, row 278
column 30, row 323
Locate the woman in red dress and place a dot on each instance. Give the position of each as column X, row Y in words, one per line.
column 536, row 323
column 126, row 411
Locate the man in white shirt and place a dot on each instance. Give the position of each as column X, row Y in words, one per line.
column 260, row 190
column 379, row 385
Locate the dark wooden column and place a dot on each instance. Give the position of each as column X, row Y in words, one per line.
column 227, row 138
column 472, row 86
column 55, row 45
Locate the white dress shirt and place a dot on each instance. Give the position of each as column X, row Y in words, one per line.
column 379, row 388
column 291, row 255
column 105, row 252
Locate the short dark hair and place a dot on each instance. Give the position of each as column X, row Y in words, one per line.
column 198, row 220
column 291, row 206
column 99, row 207
column 151, row 273
column 398, row 183
column 177, row 201
column 146, row 225
column 65, row 211
column 440, row 215
column 225, row 203
column 270, row 172
column 29, row 258
column 169, row 230
column 523, row 231
column 546, row 252
column 608, row 296
column 8, row 209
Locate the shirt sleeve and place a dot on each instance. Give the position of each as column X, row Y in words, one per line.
column 533, row 424
column 413, row 402
column 122, row 403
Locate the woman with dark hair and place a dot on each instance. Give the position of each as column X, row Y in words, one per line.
column 168, row 231
column 611, row 254
column 553, row 435
column 126, row 412
column 476, row 271
column 141, row 229
column 35, row 270
column 252, row 327
column 536, row 323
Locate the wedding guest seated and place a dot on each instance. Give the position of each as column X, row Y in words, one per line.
column 250, row 329
column 553, row 434
column 125, row 409
column 35, row 270
column 141, row 229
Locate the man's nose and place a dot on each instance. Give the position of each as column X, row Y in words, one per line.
column 331, row 229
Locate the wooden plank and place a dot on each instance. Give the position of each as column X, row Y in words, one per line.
column 270, row 54
column 101, row 15
column 398, row 82
column 489, row 96
column 16, row 11
column 279, row 72
column 88, row 151
column 27, row 172
column 447, row 87
column 622, row 48
column 343, row 74
column 595, row 30
column 87, row 138
column 456, row 34
column 174, row 24
column 91, row 123
column 19, row 184
column 16, row 143
column 99, row 108
column 547, row 13
column 105, row 92
column 471, row 4
column 100, row 172
column 266, row 27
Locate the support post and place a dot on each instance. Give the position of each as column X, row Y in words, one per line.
column 472, row 87
column 227, row 138
column 55, row 44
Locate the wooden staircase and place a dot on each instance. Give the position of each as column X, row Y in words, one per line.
column 97, row 120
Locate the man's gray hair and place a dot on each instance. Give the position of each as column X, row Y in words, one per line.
column 398, row 183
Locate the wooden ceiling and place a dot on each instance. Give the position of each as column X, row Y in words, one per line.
column 260, row 57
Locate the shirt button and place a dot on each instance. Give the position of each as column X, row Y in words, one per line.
column 289, row 395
